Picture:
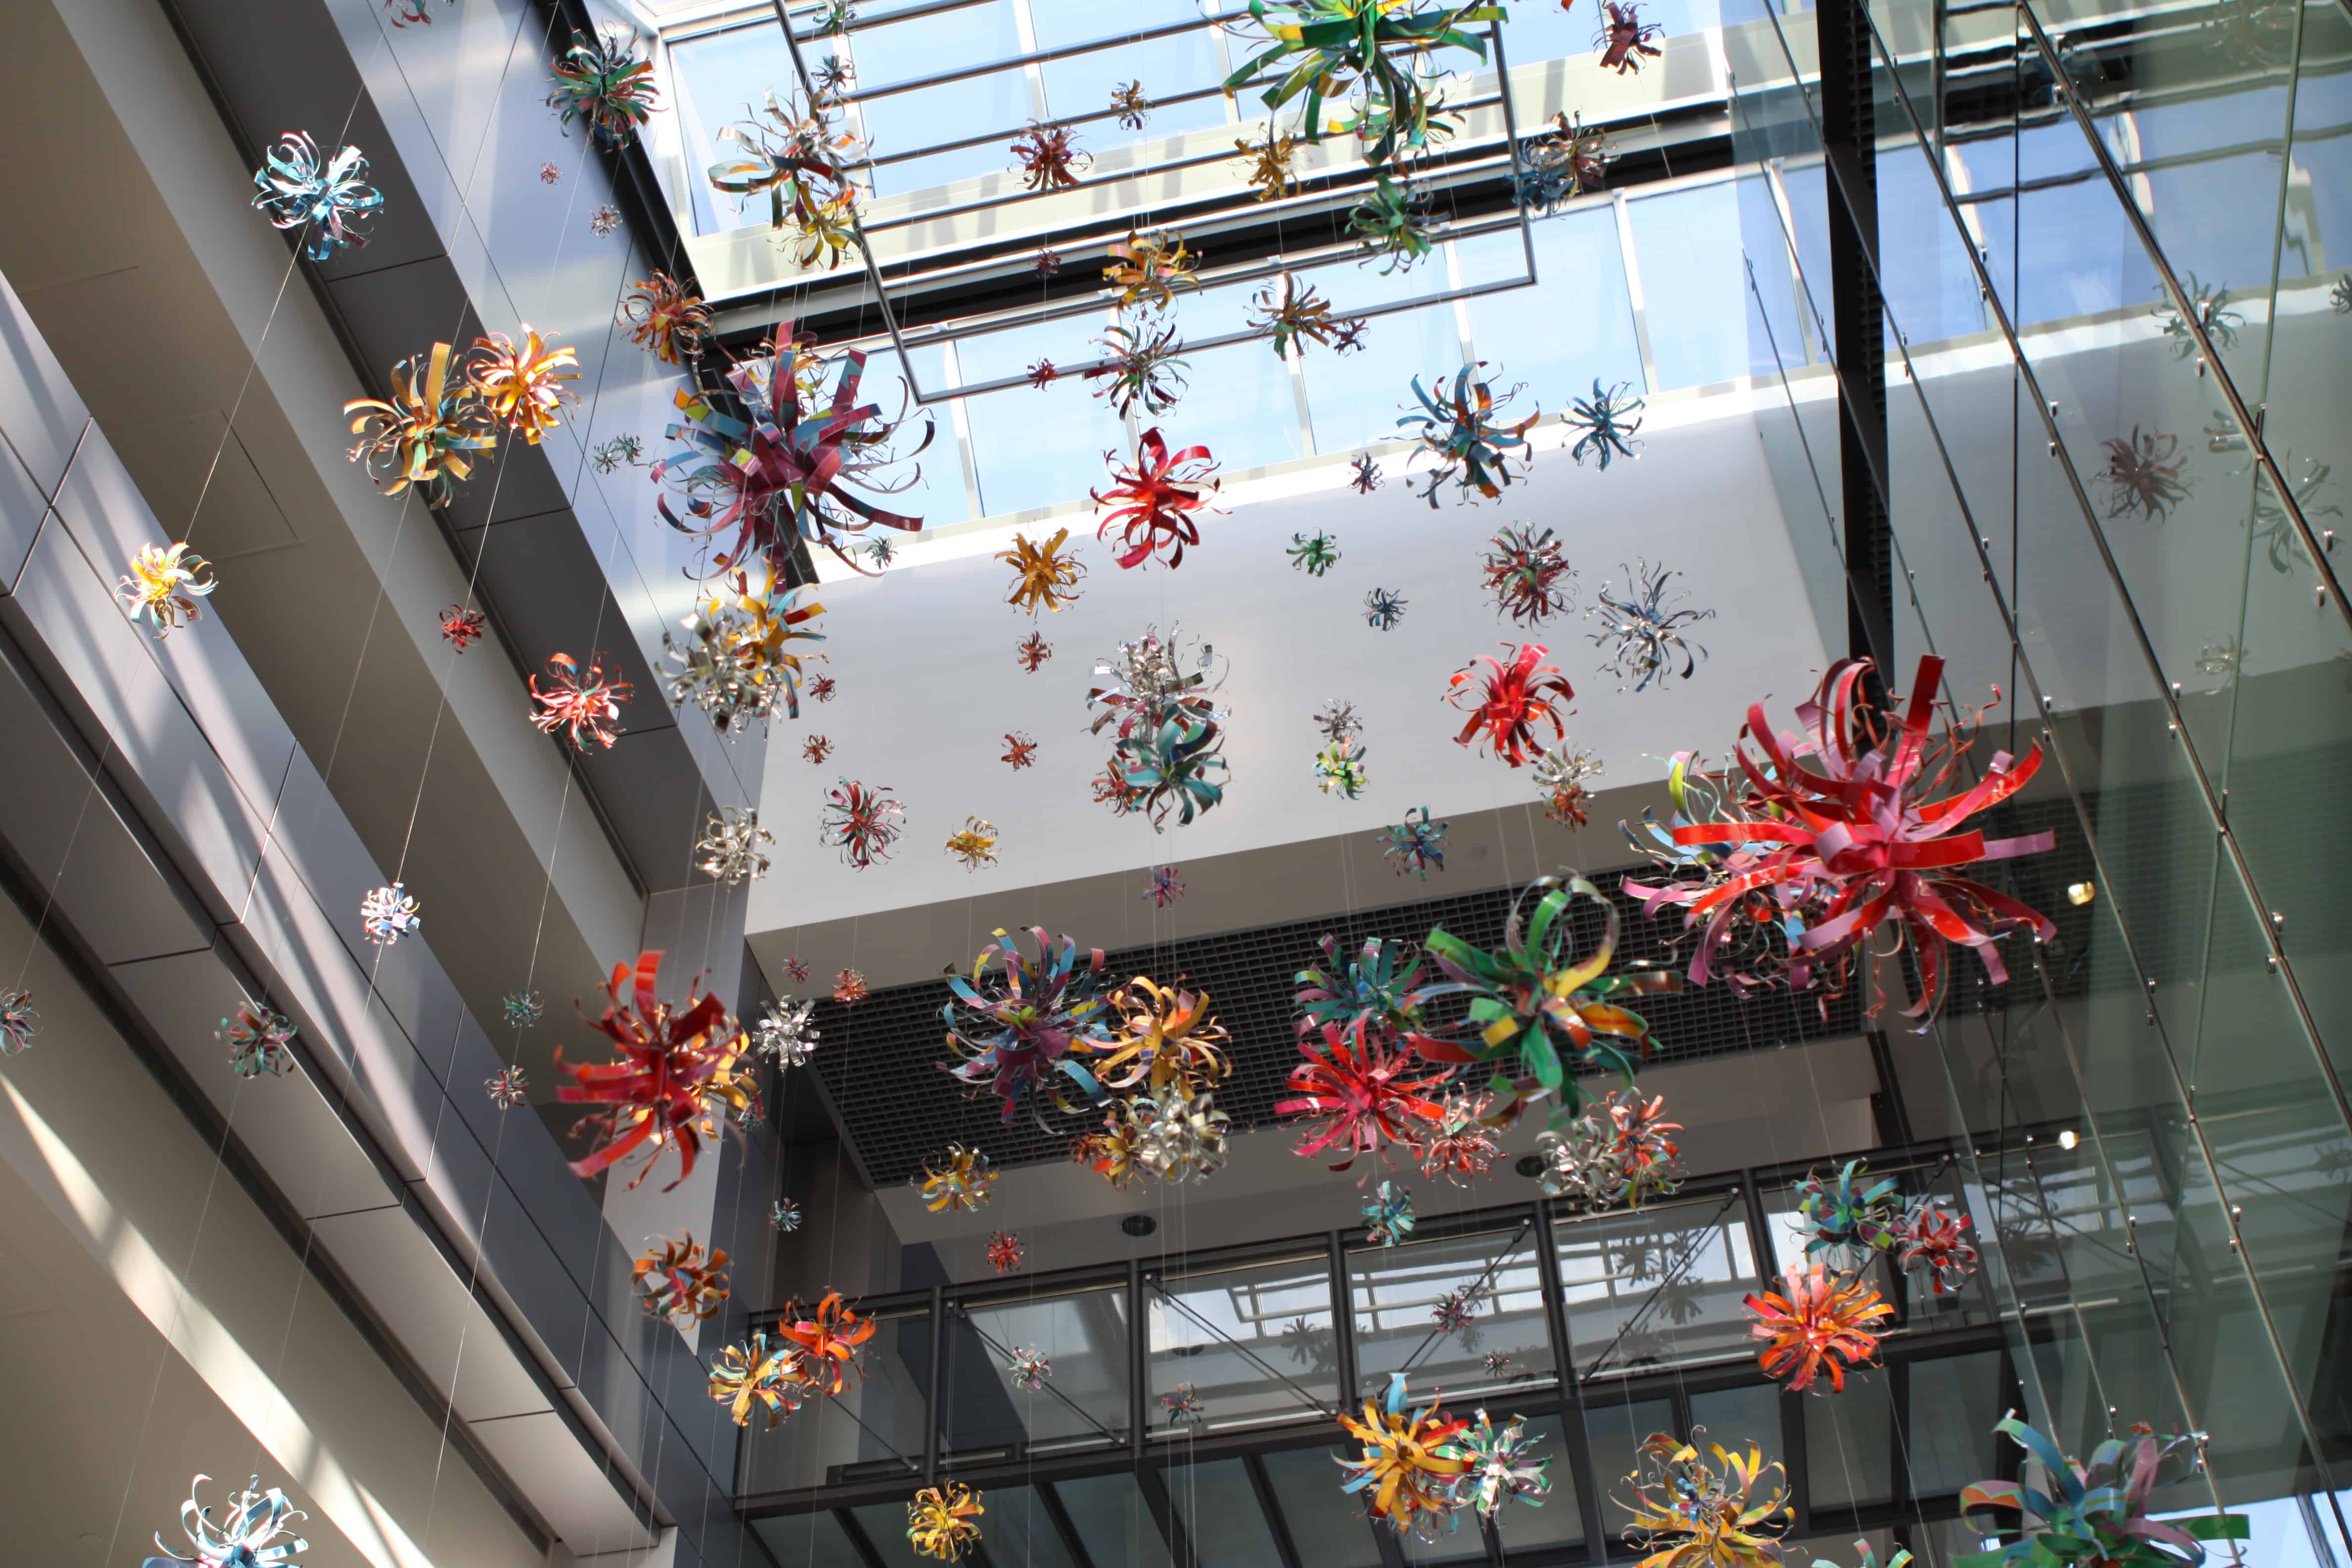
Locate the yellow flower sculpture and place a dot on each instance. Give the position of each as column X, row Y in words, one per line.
column 943, row 1522
column 1112, row 1154
column 522, row 384
column 974, row 843
column 164, row 585
column 421, row 437
column 1408, row 1463
column 1268, row 169
column 1689, row 1514
column 963, row 1186
column 1167, row 1035
column 1046, row 576
column 1151, row 266
column 759, row 1375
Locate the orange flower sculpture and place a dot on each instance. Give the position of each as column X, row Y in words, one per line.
column 667, row 318
column 1152, row 503
column 1816, row 1320
column 1407, row 1466
column 828, row 1338
column 682, row 1283
column 522, row 384
column 672, row 1062
column 761, row 1374
column 1510, row 701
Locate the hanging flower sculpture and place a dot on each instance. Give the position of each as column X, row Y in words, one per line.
column 521, row 385
column 1502, row 1465
column 1266, row 165
column 1027, row 1024
column 1129, row 102
column 744, row 658
column 674, row 1064
column 1387, row 1215
column 462, row 627
column 1296, row 313
column 667, row 319
column 2143, row 475
column 1562, row 163
column 2211, row 307
column 962, row 1185
column 816, row 748
column 861, row 821
column 1029, row 1370
column 1357, row 1095
column 1690, row 1514
column 1340, row 769
column 1048, row 263
column 1181, row 1406
column 1607, row 431
column 783, row 1216
column 1149, row 268
column 800, row 156
column 1378, row 986
column 763, row 1374
column 1383, row 609
column 387, row 914
column 1375, row 53
column 1534, row 1009
column 1414, row 847
column 257, row 1533
column 1163, row 887
column 422, row 436
column 604, row 220
column 1049, row 157
column 507, row 1088
column 1409, row 1466
column 2094, row 1515
column 586, row 706
column 1510, row 701
column 1461, row 1146
column 1167, row 733
column 1931, row 1238
column 683, row 1285
column 1003, row 1252
column 1853, row 827
column 1033, row 652
column 259, row 1040
column 164, row 585
column 327, row 199
column 1530, row 579
column 19, row 1022
column 1845, row 1212
column 1152, row 503
column 1179, row 1137
column 1817, row 1323
column 1364, row 476
column 1140, row 367
column 1560, row 778
column 1112, row 1153
column 605, row 84
column 1618, row 1152
column 1019, row 751
column 849, row 988
column 974, row 843
column 1624, row 39
column 729, row 846
column 783, row 470
column 786, row 1031
column 1043, row 373
column 1643, row 636
column 1166, row 1037
column 829, row 1339
column 610, row 457
column 1459, row 430
column 1394, row 224
column 1044, row 577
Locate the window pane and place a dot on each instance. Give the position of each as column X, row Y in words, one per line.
column 1686, row 244
column 1036, row 448
column 1241, row 407
column 1327, row 1525
column 936, row 493
column 1737, row 1417
column 1082, row 1404
column 1357, row 399
column 1219, row 1511
column 1954, row 1402
column 1657, row 1286
column 1255, row 1343
column 1615, row 1432
column 723, row 78
column 1019, row 1528
column 1397, row 1292
column 1112, row 1522
column 1848, row 1453
column 1561, row 1520
column 814, row 1539
column 1562, row 350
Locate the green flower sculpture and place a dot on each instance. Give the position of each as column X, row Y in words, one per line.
column 2094, row 1513
column 1372, row 53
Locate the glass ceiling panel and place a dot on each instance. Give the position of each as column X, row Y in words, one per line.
column 1112, row 1522
column 1660, row 1283
column 1327, row 1526
column 1219, row 1511
column 1397, row 1292
column 1255, row 1342
column 1541, row 344
column 723, row 78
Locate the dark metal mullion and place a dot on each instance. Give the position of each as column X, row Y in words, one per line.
column 936, row 1417
column 2181, row 302
column 1793, row 1454
column 1277, row 1524
column 1063, row 1526
column 1064, row 123
column 1139, row 1351
column 1571, row 1387
column 1152, row 1481
column 1343, row 1320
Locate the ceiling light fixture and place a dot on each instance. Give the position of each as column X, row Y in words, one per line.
column 1139, row 1225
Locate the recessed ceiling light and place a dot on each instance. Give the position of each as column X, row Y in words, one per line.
column 1529, row 1165
column 1139, row 1225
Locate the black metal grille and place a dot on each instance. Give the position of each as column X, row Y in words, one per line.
column 880, row 1064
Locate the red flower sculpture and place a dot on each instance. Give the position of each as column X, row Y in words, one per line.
column 585, row 706
column 1004, row 1252
column 1153, row 502
column 829, row 1339
column 1933, row 1238
column 1033, row 651
column 671, row 1062
column 1813, row 1320
column 461, row 625
column 1512, row 701
column 1846, row 815
column 1357, row 1085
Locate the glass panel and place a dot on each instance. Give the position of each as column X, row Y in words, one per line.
column 1954, row 1400
column 1693, row 290
column 1398, row 1290
column 722, row 77
column 1221, row 1512
column 933, row 483
column 1357, row 400
column 1849, row 1456
column 1739, row 1416
column 1243, row 408
column 1082, row 1404
column 1255, row 1343
column 1035, row 449
column 1615, row 1432
column 1019, row 1528
column 872, row 1430
column 1327, row 1527
column 1560, row 351
column 885, row 1524
column 1112, row 1522
column 816, row 1539
column 1560, row 1521
column 1661, row 1285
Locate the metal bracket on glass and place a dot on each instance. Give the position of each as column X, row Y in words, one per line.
column 953, row 331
